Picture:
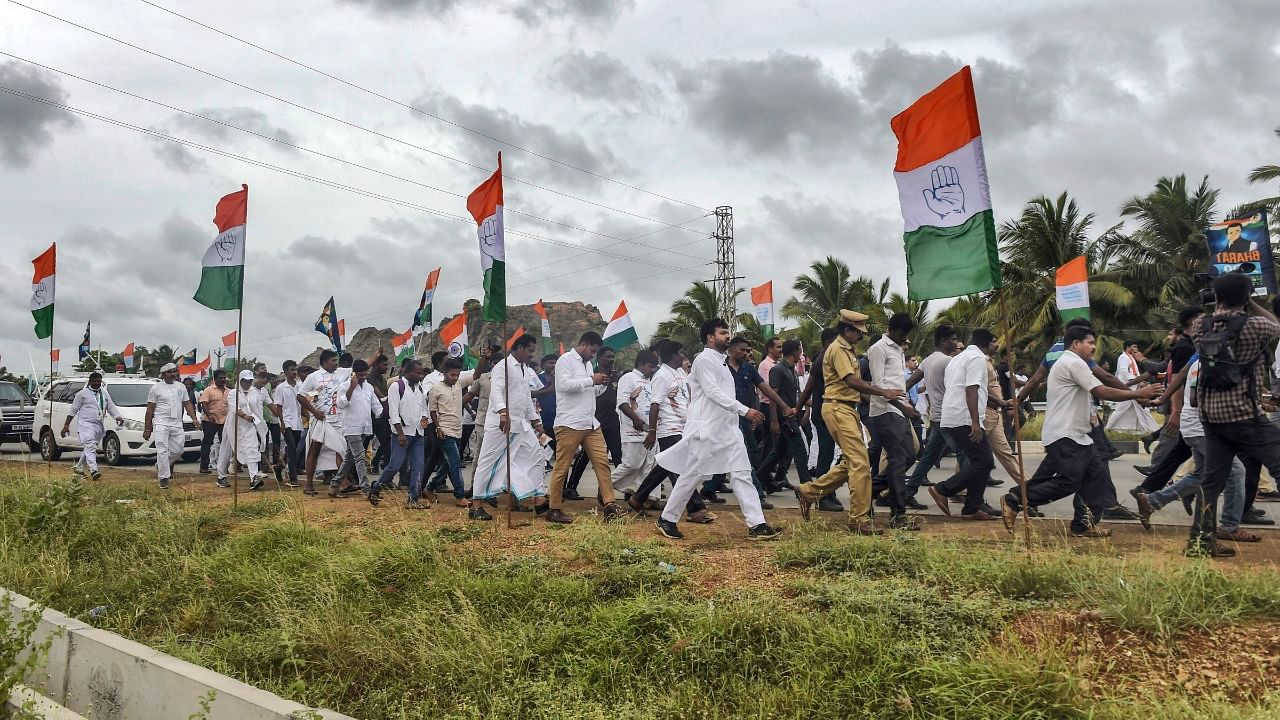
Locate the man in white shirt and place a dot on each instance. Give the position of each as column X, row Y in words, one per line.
column 964, row 407
column 285, row 405
column 359, row 405
column 407, row 410
column 513, row 437
column 633, row 399
column 577, row 386
column 890, row 420
column 1131, row 416
column 1070, row 464
column 165, row 402
column 712, row 441
column 319, row 398
column 668, row 405
column 240, row 432
column 932, row 371
column 90, row 408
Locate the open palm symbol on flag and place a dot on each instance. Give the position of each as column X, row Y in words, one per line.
column 40, row 292
column 226, row 245
column 489, row 236
column 946, row 197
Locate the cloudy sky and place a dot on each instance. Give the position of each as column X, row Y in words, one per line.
column 622, row 124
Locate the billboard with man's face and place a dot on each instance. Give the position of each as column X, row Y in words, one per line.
column 1243, row 245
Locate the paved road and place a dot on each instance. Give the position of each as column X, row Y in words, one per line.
column 1122, row 473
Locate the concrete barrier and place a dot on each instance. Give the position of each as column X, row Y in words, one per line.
column 102, row 675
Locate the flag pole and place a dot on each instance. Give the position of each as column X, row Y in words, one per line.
column 1017, row 422
column 48, row 463
column 235, row 367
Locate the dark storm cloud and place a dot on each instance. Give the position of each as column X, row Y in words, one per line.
column 436, row 7
column 599, row 76
column 590, row 12
column 565, row 146
column 27, row 125
column 177, row 156
column 780, row 106
column 237, row 117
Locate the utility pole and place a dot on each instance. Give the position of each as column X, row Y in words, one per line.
column 726, row 286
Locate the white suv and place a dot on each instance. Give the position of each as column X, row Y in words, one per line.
column 129, row 393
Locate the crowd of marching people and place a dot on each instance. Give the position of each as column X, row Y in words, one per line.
column 685, row 425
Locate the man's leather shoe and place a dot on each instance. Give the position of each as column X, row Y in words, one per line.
column 558, row 516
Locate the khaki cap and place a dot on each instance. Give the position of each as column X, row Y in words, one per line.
column 854, row 318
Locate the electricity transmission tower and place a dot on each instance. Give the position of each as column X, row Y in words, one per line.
column 726, row 285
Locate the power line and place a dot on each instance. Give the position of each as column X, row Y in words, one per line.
column 320, row 180
column 331, row 117
column 328, row 156
column 414, row 109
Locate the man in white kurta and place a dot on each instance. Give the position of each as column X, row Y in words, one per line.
column 90, row 408
column 166, row 401
column 1130, row 415
column 244, row 415
column 712, row 441
column 511, row 419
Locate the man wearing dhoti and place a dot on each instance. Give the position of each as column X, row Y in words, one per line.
column 512, row 425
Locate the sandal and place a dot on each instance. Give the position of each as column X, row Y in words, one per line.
column 702, row 517
column 1239, row 535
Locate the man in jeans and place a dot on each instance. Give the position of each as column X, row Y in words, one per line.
column 1071, row 464
column 408, row 408
column 1234, row 422
column 213, row 404
column 892, row 418
column 963, row 409
column 445, row 402
column 358, row 405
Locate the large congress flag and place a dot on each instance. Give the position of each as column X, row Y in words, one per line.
column 620, row 332
column 42, row 283
column 485, row 205
column 222, row 274
column 950, row 232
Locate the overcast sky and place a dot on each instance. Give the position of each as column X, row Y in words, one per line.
column 780, row 110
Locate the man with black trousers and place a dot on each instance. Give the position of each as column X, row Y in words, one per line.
column 791, row 443
column 812, row 398
column 1233, row 345
column 1071, row 464
column 891, row 419
column 964, row 408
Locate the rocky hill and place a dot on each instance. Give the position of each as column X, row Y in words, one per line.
column 568, row 321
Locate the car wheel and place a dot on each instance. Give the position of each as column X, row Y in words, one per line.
column 49, row 449
column 111, row 450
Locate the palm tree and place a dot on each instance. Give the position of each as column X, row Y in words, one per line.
column 700, row 303
column 1047, row 235
column 828, row 288
column 1160, row 259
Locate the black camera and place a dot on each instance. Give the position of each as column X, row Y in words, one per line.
column 1203, row 283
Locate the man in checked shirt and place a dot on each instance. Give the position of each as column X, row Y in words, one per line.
column 1234, row 422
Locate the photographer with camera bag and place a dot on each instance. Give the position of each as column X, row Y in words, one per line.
column 1233, row 345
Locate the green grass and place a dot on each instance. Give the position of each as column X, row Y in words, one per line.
column 410, row 623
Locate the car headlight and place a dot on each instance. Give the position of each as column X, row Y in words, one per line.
column 133, row 425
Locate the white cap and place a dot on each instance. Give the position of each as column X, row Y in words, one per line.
column 168, row 367
column 246, row 375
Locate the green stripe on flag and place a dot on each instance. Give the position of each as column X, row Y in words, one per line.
column 1073, row 313
column 622, row 339
column 495, row 292
column 221, row 287
column 954, row 261
column 44, row 321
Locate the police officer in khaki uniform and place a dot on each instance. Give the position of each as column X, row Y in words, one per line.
column 844, row 390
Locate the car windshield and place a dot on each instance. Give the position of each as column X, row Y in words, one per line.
column 129, row 394
column 11, row 393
